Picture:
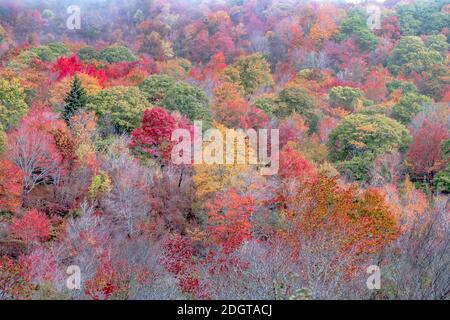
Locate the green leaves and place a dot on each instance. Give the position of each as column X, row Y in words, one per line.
column 345, row 97
column 100, row 184
column 421, row 18
column 408, row 106
column 12, row 103
column 120, row 106
column 250, row 72
column 116, row 54
column 411, row 55
column 156, row 87
column 188, row 100
column 359, row 138
column 355, row 25
column 295, row 99
column 2, row 141
column 76, row 99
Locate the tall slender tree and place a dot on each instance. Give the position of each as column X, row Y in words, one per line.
column 75, row 99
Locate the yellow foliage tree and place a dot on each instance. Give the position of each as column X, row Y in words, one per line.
column 61, row 88
column 210, row 178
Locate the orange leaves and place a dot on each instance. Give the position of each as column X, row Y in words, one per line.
column 229, row 219
column 356, row 222
column 232, row 109
column 324, row 25
column 10, row 186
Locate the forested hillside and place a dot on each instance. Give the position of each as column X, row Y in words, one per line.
column 354, row 98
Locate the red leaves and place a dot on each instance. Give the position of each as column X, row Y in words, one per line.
column 69, row 66
column 153, row 137
column 33, row 148
column 178, row 259
column 32, row 227
column 104, row 283
column 375, row 86
column 424, row 156
column 11, row 186
column 292, row 165
column 229, row 219
column 233, row 110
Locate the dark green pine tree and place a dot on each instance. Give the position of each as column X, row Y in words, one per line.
column 75, row 99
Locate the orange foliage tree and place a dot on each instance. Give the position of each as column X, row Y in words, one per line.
column 10, row 186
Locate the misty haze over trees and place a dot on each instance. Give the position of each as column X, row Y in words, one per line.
column 360, row 95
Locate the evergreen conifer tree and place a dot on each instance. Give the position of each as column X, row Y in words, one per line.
column 75, row 99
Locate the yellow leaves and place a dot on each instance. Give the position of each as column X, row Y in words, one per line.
column 101, row 184
column 210, row 178
column 195, row 234
column 177, row 68
column 219, row 17
column 60, row 89
column 358, row 144
column 339, row 112
column 369, row 128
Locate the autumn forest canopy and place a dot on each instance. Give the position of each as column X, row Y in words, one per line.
column 92, row 93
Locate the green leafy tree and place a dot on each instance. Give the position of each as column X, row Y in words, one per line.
column 408, row 106
column 411, row 55
column 250, row 72
column 345, row 97
column 439, row 43
column 156, row 87
column 295, row 99
column 47, row 53
column 100, row 184
column 422, row 17
column 441, row 182
column 12, row 103
column 189, row 101
column 75, row 100
column 360, row 138
column 87, row 53
column 355, row 25
column 445, row 149
column 116, row 54
column 402, row 86
column 266, row 104
column 120, row 106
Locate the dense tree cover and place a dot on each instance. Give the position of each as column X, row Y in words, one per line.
column 295, row 99
column 355, row 25
column 75, row 100
column 121, row 107
column 12, row 103
column 250, row 72
column 156, row 87
column 115, row 54
column 345, row 97
column 412, row 55
column 188, row 100
column 408, row 106
column 87, row 176
column 359, row 138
